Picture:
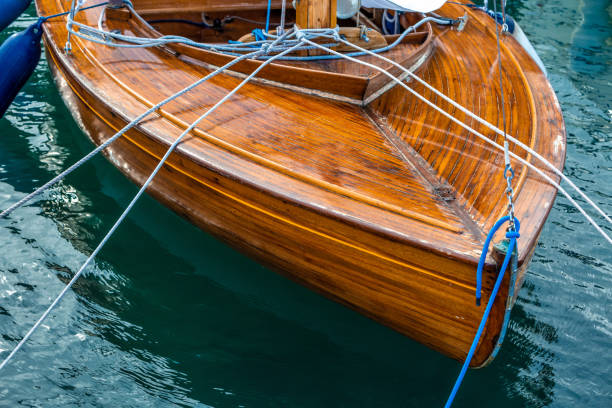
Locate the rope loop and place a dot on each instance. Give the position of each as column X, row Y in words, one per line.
column 265, row 48
column 513, row 232
column 512, row 235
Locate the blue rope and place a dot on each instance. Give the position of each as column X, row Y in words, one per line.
column 441, row 21
column 65, row 13
column 512, row 236
column 259, row 35
column 268, row 16
column 485, row 250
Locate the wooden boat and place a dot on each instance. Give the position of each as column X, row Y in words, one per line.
column 324, row 170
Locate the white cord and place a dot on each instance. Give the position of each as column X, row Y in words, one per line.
column 137, row 196
column 470, row 129
column 488, row 125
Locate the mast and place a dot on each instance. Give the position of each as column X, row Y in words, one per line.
column 316, row 13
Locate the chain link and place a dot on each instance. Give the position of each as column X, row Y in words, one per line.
column 509, row 175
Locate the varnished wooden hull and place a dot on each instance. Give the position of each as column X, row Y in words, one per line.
column 393, row 276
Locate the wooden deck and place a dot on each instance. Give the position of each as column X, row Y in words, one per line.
column 383, row 207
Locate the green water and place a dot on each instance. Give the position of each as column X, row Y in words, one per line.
column 168, row 316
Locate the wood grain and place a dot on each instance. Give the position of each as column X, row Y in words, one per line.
column 382, row 208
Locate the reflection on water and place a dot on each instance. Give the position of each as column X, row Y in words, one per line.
column 592, row 40
column 169, row 316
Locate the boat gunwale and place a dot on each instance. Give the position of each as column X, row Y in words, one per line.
column 361, row 223
column 390, row 234
column 413, row 61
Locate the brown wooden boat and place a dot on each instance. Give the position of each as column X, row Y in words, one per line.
column 324, row 170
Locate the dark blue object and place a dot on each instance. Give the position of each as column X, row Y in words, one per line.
column 499, row 17
column 19, row 55
column 10, row 10
column 258, row 34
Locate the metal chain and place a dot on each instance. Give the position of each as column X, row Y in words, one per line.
column 509, row 175
column 508, row 171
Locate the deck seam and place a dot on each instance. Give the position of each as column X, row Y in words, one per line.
column 421, row 167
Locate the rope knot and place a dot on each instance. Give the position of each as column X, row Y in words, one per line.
column 335, row 32
column 265, row 47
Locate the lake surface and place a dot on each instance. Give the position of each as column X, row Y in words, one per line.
column 168, row 316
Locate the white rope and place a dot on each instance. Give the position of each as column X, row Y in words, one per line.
column 233, row 48
column 104, row 37
column 490, row 126
column 470, row 129
column 100, row 36
column 135, row 199
column 129, row 126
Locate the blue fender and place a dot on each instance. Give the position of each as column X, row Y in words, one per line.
column 19, row 54
column 10, row 10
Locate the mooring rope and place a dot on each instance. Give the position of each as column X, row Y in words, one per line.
column 512, row 235
column 268, row 15
column 136, row 197
column 126, row 128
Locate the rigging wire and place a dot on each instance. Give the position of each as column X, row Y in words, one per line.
column 491, row 127
column 466, row 127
